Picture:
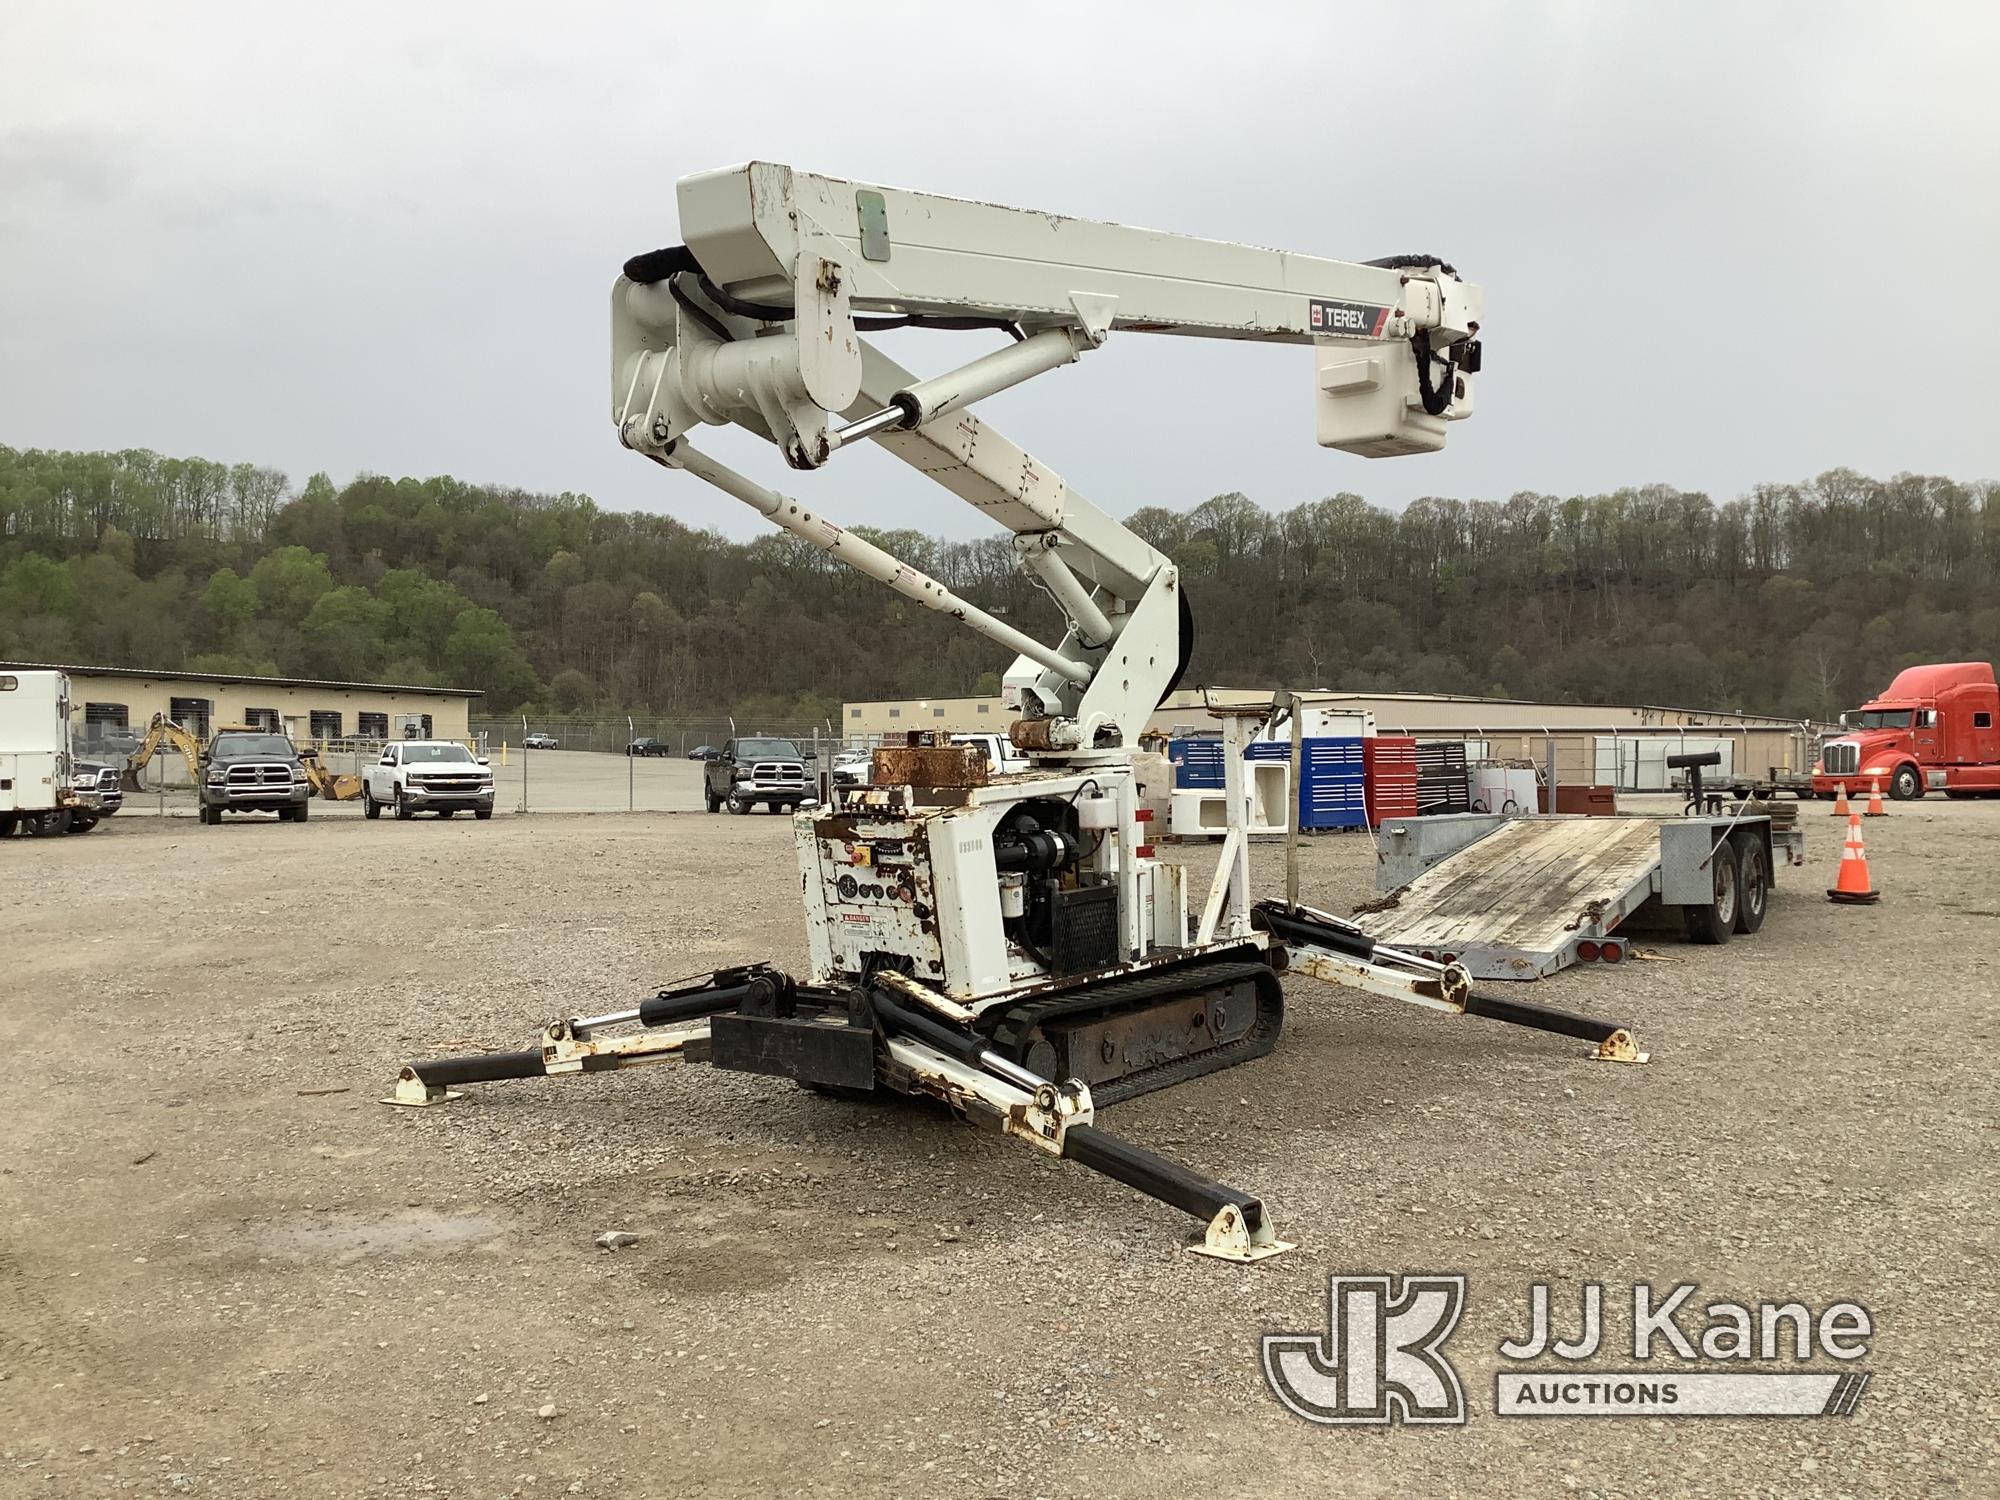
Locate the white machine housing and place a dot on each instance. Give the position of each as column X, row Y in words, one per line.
column 914, row 888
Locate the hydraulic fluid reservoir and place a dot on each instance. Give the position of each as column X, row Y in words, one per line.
column 1097, row 812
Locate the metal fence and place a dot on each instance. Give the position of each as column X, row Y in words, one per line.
column 679, row 735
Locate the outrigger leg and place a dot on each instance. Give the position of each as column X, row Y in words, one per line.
column 1329, row 948
column 675, row 1029
column 1058, row 1118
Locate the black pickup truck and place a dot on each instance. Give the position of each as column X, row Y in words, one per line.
column 253, row 771
column 758, row 769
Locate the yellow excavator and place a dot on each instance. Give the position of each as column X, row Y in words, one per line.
column 164, row 734
column 334, row 786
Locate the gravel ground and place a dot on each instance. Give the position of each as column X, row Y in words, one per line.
column 225, row 1269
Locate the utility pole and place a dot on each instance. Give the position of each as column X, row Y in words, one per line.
column 631, row 761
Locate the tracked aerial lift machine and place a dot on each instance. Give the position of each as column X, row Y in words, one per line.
column 1007, row 943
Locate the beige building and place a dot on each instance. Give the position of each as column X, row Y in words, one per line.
column 112, row 705
column 1612, row 744
column 871, row 721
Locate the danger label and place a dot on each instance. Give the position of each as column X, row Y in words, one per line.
column 1355, row 320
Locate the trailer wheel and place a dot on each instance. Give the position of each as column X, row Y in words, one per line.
column 1753, row 882
column 7, row 821
column 1713, row 923
column 1906, row 785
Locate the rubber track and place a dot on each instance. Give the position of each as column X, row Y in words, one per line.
column 1015, row 1032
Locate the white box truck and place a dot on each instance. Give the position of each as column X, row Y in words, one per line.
column 35, row 759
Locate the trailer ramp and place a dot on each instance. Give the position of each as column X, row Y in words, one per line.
column 1515, row 904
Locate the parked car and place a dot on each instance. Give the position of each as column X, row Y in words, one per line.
column 703, row 752
column 757, row 769
column 253, row 770
column 439, row 776
column 539, row 741
column 647, row 745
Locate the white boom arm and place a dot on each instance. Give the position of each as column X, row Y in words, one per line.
column 758, row 320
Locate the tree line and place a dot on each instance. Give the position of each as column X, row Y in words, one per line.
column 1795, row 599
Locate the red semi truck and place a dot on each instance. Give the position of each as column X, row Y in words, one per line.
column 1937, row 728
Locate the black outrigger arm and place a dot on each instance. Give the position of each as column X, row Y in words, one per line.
column 1332, row 949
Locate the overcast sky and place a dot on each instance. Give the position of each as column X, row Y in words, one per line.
column 1720, row 243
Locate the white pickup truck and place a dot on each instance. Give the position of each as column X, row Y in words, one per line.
column 438, row 776
column 1002, row 759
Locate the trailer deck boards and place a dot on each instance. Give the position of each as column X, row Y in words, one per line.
column 1514, row 904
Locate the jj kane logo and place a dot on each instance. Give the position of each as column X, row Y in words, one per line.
column 1381, row 1360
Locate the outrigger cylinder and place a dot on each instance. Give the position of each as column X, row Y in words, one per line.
column 961, row 1045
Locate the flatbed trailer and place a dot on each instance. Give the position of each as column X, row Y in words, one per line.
column 1523, row 897
column 1798, row 784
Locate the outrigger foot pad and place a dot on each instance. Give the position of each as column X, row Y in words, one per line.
column 413, row 1093
column 1619, row 1047
column 1229, row 1237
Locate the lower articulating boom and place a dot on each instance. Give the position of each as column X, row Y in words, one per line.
column 758, row 320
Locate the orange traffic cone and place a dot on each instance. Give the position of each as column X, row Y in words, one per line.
column 1875, row 807
column 1853, row 888
column 1840, row 809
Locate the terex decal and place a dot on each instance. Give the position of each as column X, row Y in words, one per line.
column 1355, row 320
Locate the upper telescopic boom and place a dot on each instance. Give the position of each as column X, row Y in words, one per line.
column 758, row 320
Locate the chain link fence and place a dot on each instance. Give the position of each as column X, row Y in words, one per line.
column 610, row 735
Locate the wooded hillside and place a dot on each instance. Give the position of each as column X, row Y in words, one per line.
column 1796, row 599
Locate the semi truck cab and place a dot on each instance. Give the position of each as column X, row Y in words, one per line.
column 1936, row 728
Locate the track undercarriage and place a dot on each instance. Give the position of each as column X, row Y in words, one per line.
column 1126, row 1037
